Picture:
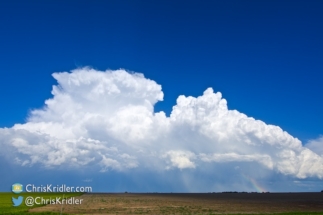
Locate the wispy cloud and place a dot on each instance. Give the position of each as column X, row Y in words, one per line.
column 316, row 145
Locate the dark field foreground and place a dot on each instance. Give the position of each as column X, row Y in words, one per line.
column 193, row 203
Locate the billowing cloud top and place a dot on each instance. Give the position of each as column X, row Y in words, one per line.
column 106, row 119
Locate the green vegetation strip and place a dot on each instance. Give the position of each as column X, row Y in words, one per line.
column 7, row 208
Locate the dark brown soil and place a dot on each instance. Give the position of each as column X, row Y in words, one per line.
column 193, row 203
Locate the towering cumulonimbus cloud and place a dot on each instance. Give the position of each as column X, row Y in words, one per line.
column 106, row 119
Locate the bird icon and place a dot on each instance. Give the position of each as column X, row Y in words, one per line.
column 18, row 201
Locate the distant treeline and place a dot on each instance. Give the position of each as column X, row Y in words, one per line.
column 242, row 192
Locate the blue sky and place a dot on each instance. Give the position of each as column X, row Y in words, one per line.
column 265, row 57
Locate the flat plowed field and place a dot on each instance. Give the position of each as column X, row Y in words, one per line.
column 192, row 203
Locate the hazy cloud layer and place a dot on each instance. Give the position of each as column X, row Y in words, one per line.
column 106, row 119
column 316, row 145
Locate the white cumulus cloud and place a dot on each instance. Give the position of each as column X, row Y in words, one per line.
column 106, row 119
